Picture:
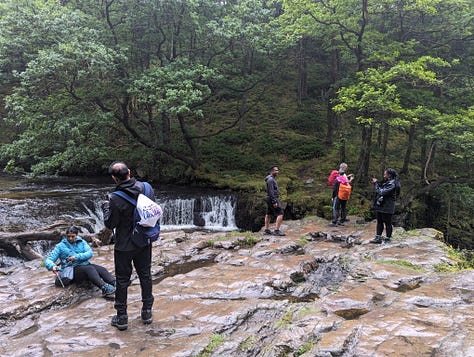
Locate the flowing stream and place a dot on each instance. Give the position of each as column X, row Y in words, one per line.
column 27, row 204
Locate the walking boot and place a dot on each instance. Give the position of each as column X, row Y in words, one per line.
column 147, row 317
column 377, row 240
column 120, row 321
column 387, row 240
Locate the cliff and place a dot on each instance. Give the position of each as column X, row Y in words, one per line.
column 318, row 291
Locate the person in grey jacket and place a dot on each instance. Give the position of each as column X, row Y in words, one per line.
column 272, row 199
column 387, row 192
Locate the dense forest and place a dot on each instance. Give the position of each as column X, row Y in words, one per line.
column 214, row 92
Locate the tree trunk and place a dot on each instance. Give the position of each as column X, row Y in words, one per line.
column 165, row 128
column 364, row 155
column 411, row 141
column 334, row 76
column 189, row 141
column 15, row 244
column 385, row 131
column 302, row 91
column 242, row 110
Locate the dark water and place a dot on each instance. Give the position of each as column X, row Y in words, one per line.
column 27, row 204
column 31, row 204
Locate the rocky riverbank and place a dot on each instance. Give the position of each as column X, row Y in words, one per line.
column 318, row 291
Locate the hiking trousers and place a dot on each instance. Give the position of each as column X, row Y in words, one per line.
column 339, row 206
column 94, row 273
column 384, row 219
column 141, row 260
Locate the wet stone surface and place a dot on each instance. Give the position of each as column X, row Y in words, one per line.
column 318, row 291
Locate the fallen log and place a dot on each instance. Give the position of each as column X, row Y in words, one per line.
column 16, row 243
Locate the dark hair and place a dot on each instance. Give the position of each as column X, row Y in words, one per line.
column 72, row 229
column 119, row 170
column 393, row 174
column 272, row 168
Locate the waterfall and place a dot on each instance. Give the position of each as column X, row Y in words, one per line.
column 205, row 212
column 219, row 212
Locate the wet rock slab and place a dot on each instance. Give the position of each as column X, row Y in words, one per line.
column 318, row 291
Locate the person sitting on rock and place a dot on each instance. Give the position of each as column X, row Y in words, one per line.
column 75, row 251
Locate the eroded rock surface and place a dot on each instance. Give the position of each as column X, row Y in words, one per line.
column 318, row 291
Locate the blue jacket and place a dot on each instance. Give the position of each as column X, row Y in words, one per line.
column 80, row 249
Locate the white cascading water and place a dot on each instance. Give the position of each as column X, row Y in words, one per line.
column 217, row 213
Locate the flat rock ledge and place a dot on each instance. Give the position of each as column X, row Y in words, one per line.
column 318, row 291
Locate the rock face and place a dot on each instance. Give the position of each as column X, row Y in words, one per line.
column 318, row 291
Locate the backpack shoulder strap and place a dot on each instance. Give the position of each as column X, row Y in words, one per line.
column 125, row 197
column 147, row 189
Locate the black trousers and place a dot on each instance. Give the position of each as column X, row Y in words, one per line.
column 384, row 219
column 96, row 274
column 339, row 205
column 141, row 259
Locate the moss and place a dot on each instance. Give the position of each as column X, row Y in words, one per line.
column 303, row 241
column 216, row 341
column 308, row 346
column 248, row 241
column 307, row 311
column 402, row 263
column 248, row 344
column 285, row 320
column 461, row 260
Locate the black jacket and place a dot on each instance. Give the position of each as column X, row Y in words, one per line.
column 119, row 213
column 387, row 192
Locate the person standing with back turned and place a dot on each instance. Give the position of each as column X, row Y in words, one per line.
column 119, row 215
column 273, row 203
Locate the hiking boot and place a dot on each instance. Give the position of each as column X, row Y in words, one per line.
column 387, row 240
column 340, row 223
column 267, row 231
column 277, row 232
column 345, row 220
column 107, row 289
column 147, row 317
column 120, row 321
column 377, row 240
column 333, row 224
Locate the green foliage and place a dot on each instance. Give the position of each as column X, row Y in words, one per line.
column 216, row 91
column 248, row 344
column 285, row 321
column 248, row 241
column 402, row 263
column 305, row 348
column 461, row 259
column 216, row 341
column 304, row 122
column 377, row 93
column 303, row 241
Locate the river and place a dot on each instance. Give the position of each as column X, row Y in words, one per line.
column 30, row 204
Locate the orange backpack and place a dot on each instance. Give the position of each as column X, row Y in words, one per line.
column 344, row 192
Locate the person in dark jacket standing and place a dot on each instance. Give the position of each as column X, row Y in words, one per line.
column 387, row 192
column 272, row 199
column 119, row 215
